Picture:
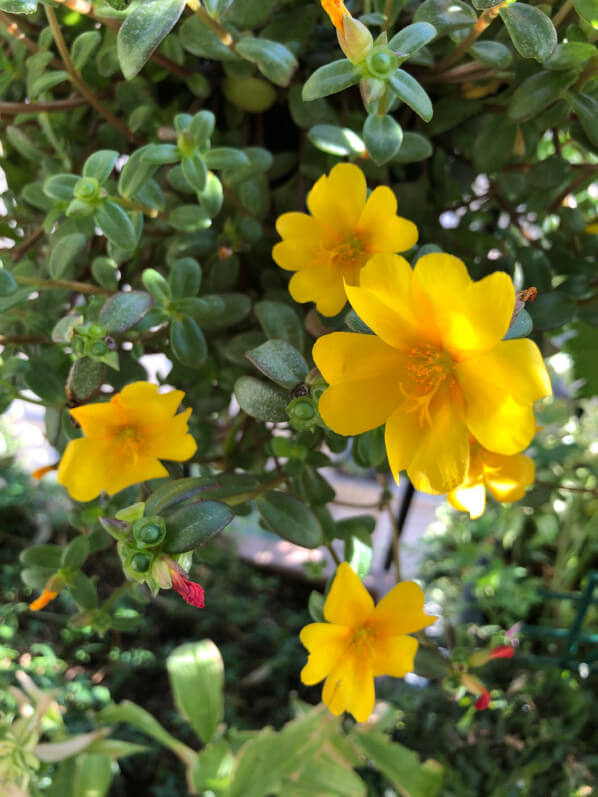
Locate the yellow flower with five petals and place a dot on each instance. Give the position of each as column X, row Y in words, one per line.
column 435, row 371
column 505, row 478
column 125, row 438
column 330, row 247
column 360, row 641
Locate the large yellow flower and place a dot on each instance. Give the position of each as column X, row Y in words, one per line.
column 124, row 440
column 435, row 370
column 505, row 478
column 345, row 229
column 360, row 641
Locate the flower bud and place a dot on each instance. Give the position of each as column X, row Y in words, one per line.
column 371, row 89
column 131, row 513
column 381, row 63
column 303, row 413
column 161, row 573
column 355, row 40
column 96, row 331
column 96, row 349
column 140, row 563
column 87, row 189
column 149, row 531
column 118, row 529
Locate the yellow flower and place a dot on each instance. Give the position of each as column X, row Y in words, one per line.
column 505, row 478
column 344, row 230
column 435, row 370
column 360, row 641
column 124, row 440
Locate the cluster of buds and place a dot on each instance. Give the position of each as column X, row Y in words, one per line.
column 303, row 408
column 140, row 540
column 93, row 341
column 460, row 680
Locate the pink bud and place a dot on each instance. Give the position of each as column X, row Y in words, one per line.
column 483, row 701
column 189, row 591
column 502, row 652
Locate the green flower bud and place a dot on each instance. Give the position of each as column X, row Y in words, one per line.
column 96, row 330
column 355, row 40
column 131, row 513
column 381, row 63
column 97, row 349
column 78, row 346
column 186, row 144
column 316, row 392
column 140, row 563
column 149, row 531
column 87, row 189
column 302, row 413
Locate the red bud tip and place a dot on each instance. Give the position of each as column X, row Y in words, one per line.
column 483, row 701
column 502, row 652
column 37, row 474
column 43, row 600
column 189, row 591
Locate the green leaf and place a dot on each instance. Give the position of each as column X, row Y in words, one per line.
column 211, row 196
column 335, row 140
column 250, row 94
column 446, row 15
column 274, row 60
column 261, row 400
column 400, row 765
column 411, row 38
column 571, row 55
column 493, row 147
column 195, row 170
column 330, row 79
column 85, row 379
column 84, row 46
column 64, row 252
column 280, row 321
column 232, row 308
column 414, row 147
column 75, row 553
column 135, row 173
column 531, row 31
column 586, row 110
column 155, row 284
column 411, row 93
column 18, row 6
column 60, row 186
column 185, row 278
column 48, row 555
column 83, row 591
column 280, row 362
column 482, row 5
column 226, row 158
column 44, row 381
column 202, row 126
column 116, row 225
column 93, row 775
column 383, row 137
column 199, row 40
column 194, row 524
column 8, row 284
column 288, row 517
column 492, row 53
column 582, row 348
column 588, row 10
column 521, row 327
column 123, row 311
column 47, row 81
column 538, row 92
column 196, row 673
column 551, row 310
column 24, row 145
column 143, row 30
column 99, row 165
column 189, row 218
column 188, row 342
column 160, row 154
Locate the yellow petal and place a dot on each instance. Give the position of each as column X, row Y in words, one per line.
column 126, row 472
column 350, row 687
column 401, row 611
column 348, row 602
column 508, row 477
column 169, row 440
column 470, row 316
column 84, row 468
column 383, row 300
column 469, row 498
column 100, row 420
column 322, row 284
column 293, row 254
column 299, row 226
column 143, row 405
column 350, row 356
column 394, row 655
column 435, row 453
column 499, row 388
column 327, row 644
column 380, row 229
column 337, row 200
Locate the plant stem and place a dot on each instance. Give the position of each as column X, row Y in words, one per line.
column 587, row 490
column 65, row 285
column 333, row 553
column 6, row 340
column 47, row 107
column 483, row 22
column 14, row 30
column 222, row 33
column 241, row 498
column 118, row 592
column 81, row 85
column 563, row 11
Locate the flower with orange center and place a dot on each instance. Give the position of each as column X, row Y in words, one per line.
column 125, row 438
column 360, row 641
column 435, row 371
column 330, row 247
column 505, row 478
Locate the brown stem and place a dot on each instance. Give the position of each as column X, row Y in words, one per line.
column 6, row 339
column 14, row 30
column 212, row 24
column 19, row 251
column 562, row 13
column 81, row 84
column 579, row 181
column 483, row 22
column 45, row 107
column 64, row 285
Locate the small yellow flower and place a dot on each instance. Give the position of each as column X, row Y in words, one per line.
column 435, row 371
column 345, row 229
column 505, row 478
column 360, row 641
column 124, row 440
column 592, row 228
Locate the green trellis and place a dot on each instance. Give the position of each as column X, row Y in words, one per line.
column 572, row 637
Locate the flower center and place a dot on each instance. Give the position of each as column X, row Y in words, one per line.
column 129, row 441
column 363, row 641
column 428, row 368
column 349, row 257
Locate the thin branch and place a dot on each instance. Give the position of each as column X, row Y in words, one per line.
column 15, row 31
column 64, row 285
column 334, row 554
column 5, row 340
column 575, row 185
column 216, row 28
column 483, row 22
column 81, row 84
column 43, row 107
column 18, row 251
column 562, row 13
column 586, row 490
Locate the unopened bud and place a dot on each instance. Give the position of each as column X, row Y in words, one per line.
column 131, row 513
column 140, row 563
column 354, row 39
column 118, row 529
column 371, row 89
column 149, row 531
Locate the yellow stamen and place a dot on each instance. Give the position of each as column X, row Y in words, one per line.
column 44, row 599
column 428, row 367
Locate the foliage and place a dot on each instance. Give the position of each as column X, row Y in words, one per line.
column 149, row 148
